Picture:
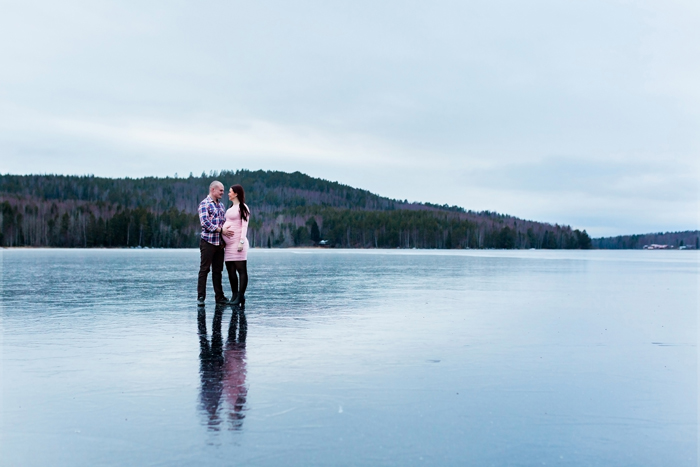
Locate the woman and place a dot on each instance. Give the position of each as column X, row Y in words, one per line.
column 236, row 251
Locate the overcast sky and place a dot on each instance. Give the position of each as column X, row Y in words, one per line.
column 584, row 113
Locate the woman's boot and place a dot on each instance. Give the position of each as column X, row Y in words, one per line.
column 240, row 301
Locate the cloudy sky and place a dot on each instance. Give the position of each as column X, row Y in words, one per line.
column 584, row 113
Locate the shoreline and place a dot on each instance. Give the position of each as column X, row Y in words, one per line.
column 321, row 248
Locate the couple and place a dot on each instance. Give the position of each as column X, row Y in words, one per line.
column 223, row 240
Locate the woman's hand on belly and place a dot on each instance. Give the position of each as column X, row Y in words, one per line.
column 227, row 230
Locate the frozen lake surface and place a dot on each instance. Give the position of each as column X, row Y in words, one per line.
column 503, row 358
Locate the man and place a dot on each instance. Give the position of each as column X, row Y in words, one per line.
column 211, row 248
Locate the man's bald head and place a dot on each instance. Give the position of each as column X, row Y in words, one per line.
column 216, row 190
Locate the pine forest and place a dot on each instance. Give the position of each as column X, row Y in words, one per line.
column 288, row 209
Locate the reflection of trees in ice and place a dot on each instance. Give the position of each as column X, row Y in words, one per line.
column 223, row 371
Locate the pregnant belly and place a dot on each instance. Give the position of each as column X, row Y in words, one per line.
column 232, row 228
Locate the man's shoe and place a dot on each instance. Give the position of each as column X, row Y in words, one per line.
column 200, row 301
column 222, row 301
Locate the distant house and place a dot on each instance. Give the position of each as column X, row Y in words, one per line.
column 655, row 246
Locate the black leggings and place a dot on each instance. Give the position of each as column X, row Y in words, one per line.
column 240, row 267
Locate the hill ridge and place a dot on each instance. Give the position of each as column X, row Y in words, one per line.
column 71, row 210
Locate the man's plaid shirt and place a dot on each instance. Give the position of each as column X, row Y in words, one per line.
column 211, row 216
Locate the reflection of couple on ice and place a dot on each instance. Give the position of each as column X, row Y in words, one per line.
column 224, row 240
column 223, row 370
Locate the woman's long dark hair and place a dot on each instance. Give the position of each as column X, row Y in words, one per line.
column 241, row 198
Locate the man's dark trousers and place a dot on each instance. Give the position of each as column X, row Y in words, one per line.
column 211, row 256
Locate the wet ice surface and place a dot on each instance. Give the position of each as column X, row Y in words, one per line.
column 351, row 358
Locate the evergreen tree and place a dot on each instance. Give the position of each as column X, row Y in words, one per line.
column 315, row 233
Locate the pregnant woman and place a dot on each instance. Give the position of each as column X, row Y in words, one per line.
column 236, row 252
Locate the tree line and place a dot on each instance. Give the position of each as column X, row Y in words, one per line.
column 687, row 238
column 288, row 210
column 78, row 226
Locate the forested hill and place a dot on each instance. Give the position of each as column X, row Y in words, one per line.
column 289, row 209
